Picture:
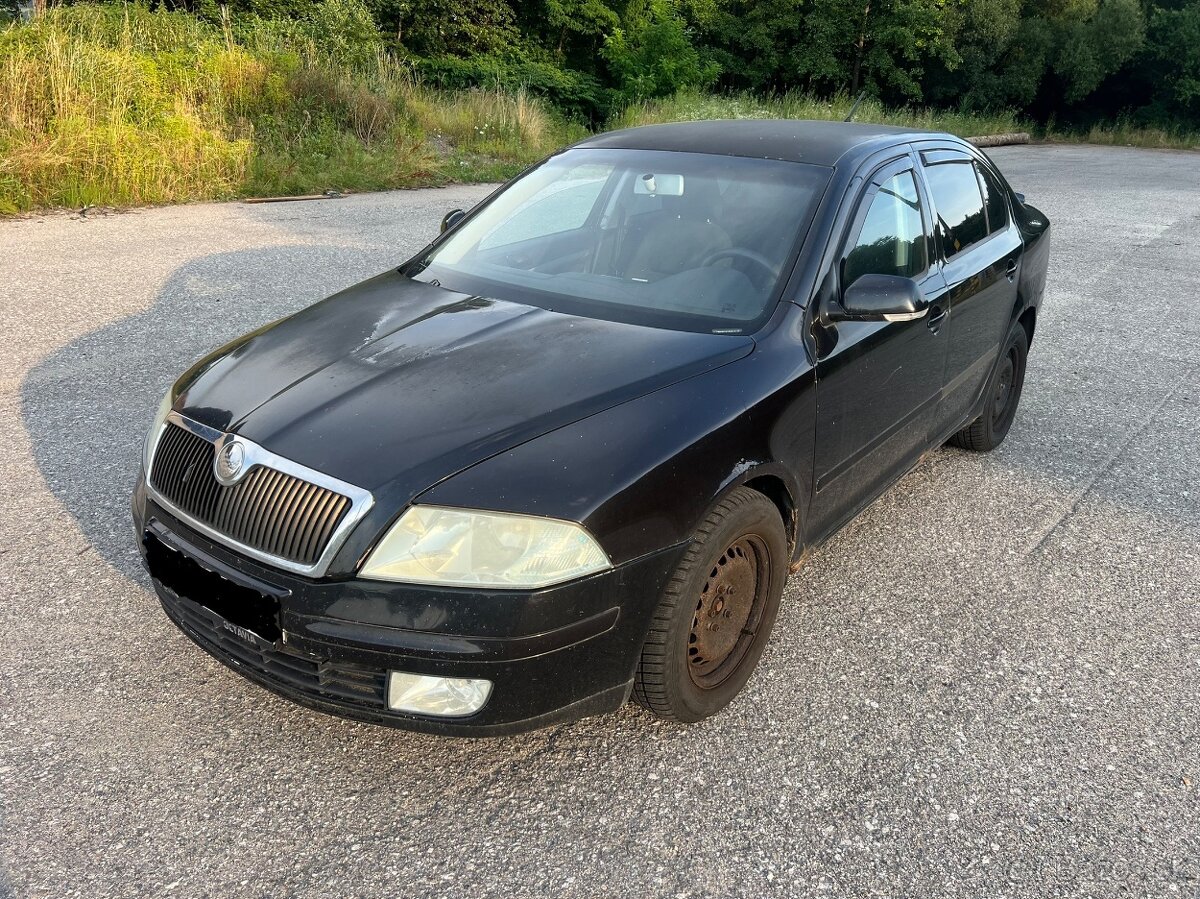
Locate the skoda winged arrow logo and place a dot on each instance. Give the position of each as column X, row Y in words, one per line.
column 229, row 462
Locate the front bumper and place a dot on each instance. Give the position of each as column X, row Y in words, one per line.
column 553, row 655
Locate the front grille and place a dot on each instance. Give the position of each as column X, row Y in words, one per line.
column 268, row 510
column 192, row 596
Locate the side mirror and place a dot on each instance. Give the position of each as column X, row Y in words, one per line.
column 888, row 298
column 452, row 218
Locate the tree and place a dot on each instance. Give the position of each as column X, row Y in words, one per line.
column 752, row 40
column 882, row 45
column 448, row 27
column 985, row 31
column 572, row 31
column 652, row 54
column 1175, row 43
column 1098, row 47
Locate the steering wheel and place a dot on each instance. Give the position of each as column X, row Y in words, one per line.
column 764, row 264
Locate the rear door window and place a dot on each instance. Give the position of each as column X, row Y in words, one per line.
column 959, row 205
column 993, row 200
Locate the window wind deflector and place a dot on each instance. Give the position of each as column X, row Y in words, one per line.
column 932, row 157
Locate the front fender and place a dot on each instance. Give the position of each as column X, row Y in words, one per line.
column 641, row 476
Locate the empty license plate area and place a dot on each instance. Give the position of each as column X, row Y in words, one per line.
column 240, row 606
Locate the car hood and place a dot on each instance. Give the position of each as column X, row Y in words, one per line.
column 394, row 385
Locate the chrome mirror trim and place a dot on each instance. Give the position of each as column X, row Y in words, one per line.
column 361, row 501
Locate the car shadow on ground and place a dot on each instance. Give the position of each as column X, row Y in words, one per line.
column 86, row 408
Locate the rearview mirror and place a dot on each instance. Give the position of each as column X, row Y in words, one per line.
column 659, row 185
column 888, row 298
column 452, row 218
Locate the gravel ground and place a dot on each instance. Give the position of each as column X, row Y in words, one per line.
column 987, row 685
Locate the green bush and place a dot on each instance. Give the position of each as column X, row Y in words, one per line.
column 653, row 55
column 577, row 95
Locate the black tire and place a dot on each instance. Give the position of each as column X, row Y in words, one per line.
column 722, row 599
column 1003, row 394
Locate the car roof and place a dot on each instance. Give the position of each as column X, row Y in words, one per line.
column 791, row 140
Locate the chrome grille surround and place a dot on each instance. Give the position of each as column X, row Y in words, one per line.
column 266, row 480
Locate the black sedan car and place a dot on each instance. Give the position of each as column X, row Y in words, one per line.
column 569, row 452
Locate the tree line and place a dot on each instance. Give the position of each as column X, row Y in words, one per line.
column 1072, row 62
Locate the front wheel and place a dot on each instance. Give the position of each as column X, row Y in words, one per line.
column 1003, row 394
column 716, row 612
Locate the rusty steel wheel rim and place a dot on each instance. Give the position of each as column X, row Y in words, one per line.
column 728, row 611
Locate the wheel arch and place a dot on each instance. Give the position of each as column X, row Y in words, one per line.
column 773, row 488
column 771, row 480
column 1028, row 321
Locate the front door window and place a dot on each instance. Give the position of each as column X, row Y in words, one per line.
column 892, row 238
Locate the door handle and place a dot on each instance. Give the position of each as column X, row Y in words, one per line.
column 937, row 315
column 1010, row 271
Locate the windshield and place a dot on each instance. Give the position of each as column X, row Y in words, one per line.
column 688, row 241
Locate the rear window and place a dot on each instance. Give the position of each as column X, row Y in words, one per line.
column 959, row 205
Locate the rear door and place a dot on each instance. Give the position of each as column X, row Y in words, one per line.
column 878, row 383
column 980, row 250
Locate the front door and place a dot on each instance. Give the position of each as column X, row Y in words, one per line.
column 878, row 383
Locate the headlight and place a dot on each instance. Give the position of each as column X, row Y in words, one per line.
column 463, row 548
column 160, row 418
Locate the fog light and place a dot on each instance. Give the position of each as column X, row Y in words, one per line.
column 447, row 697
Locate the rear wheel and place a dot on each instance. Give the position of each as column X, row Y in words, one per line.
column 1003, row 394
column 716, row 612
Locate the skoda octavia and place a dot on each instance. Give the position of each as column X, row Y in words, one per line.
column 568, row 453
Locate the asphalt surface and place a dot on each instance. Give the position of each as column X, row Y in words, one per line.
column 987, row 685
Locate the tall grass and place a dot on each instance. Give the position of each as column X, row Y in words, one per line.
column 128, row 106
column 686, row 107
column 689, row 106
column 1126, row 134
column 85, row 117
